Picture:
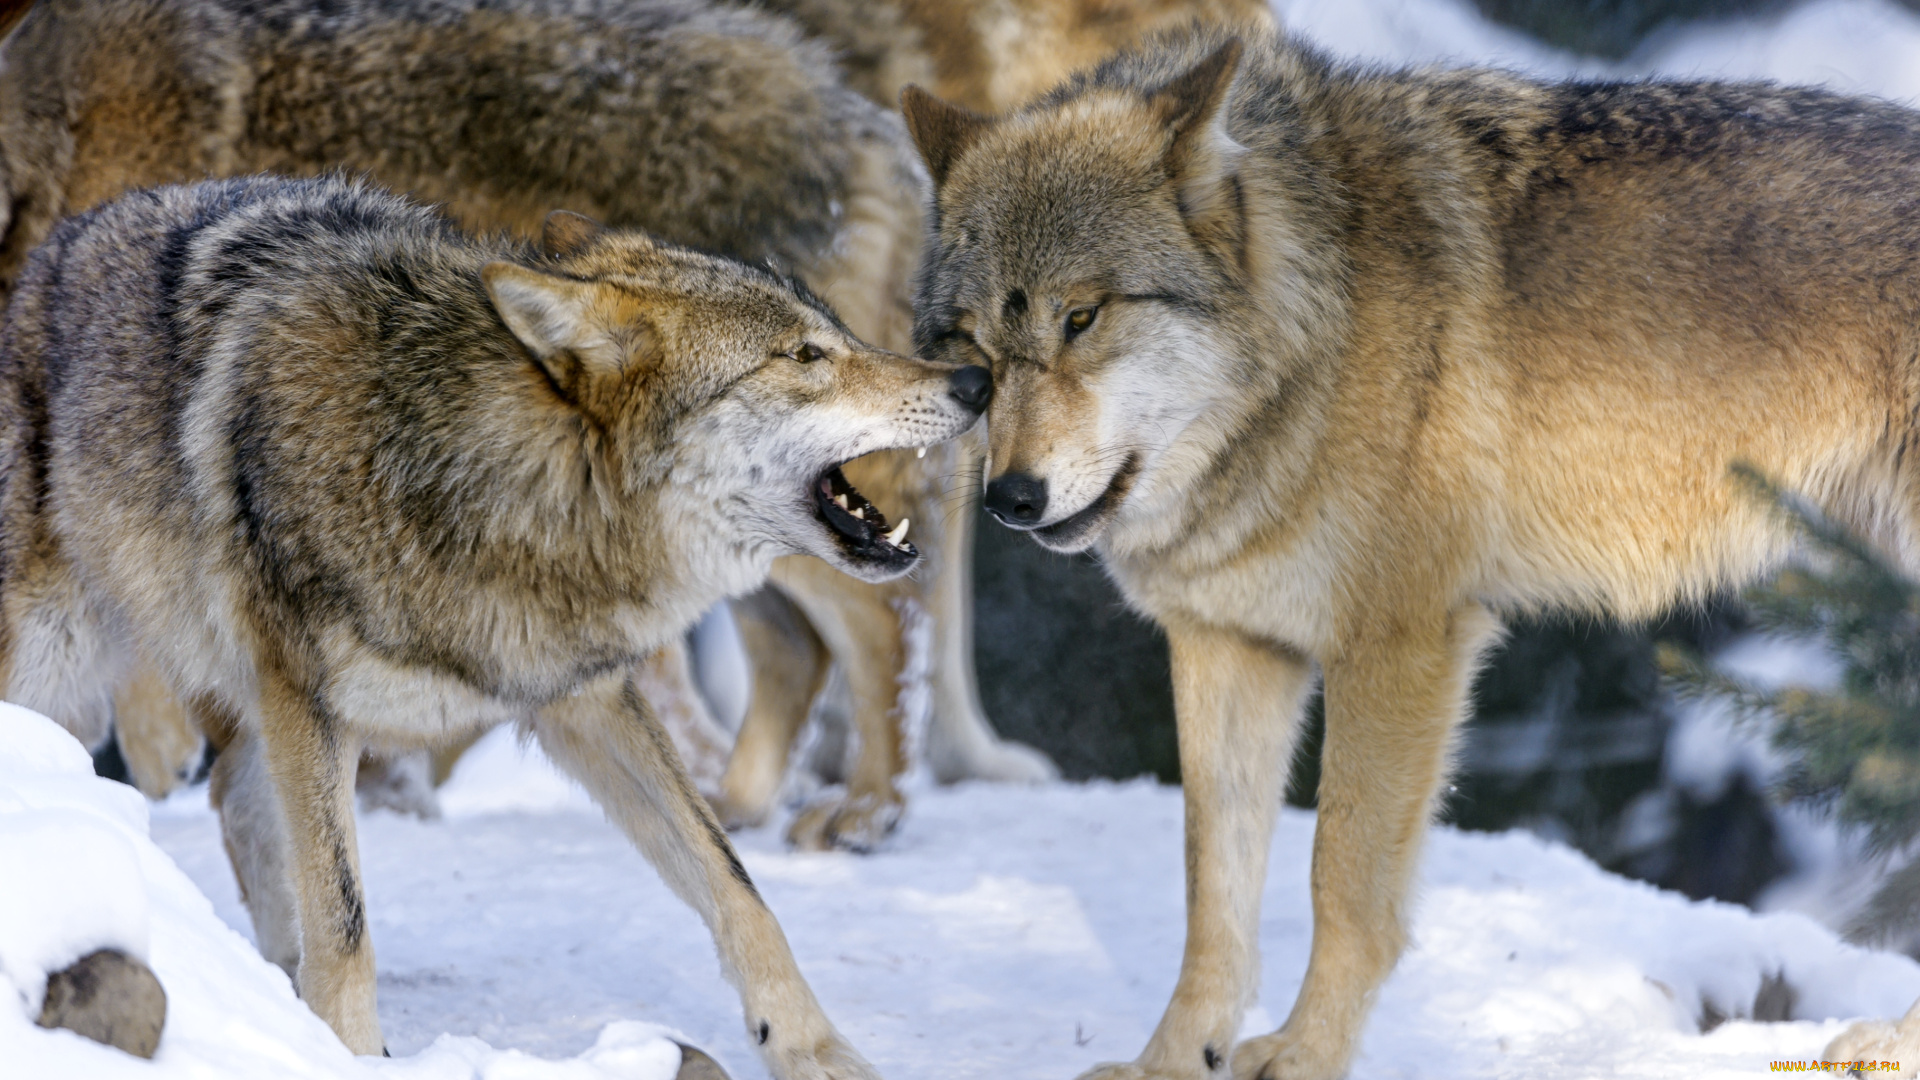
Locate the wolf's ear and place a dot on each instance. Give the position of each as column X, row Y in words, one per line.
column 941, row 129
column 1201, row 155
column 567, row 233
column 554, row 318
column 1191, row 102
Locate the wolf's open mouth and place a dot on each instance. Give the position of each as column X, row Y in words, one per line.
column 858, row 524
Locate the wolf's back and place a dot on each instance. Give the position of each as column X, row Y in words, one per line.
column 144, row 334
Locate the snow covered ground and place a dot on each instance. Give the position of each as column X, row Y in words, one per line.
column 1005, row 932
column 1016, row 933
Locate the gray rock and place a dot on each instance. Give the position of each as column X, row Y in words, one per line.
column 110, row 998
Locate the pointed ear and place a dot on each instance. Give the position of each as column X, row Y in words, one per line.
column 941, row 130
column 1201, row 157
column 567, row 233
column 1190, row 106
column 555, row 318
column 547, row 313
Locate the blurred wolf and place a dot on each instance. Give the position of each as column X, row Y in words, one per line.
column 715, row 126
column 994, row 55
column 348, row 477
column 1336, row 365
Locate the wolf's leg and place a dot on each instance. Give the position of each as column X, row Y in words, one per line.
column 1238, row 704
column 961, row 744
column 789, row 664
column 1392, row 708
column 605, row 737
column 313, row 758
column 255, row 832
column 863, row 630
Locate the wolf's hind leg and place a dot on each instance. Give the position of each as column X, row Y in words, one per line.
column 789, row 666
column 313, row 758
column 1237, row 702
column 1392, row 708
column 255, row 833
column 606, row 738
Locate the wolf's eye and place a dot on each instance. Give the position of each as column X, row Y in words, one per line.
column 1080, row 318
column 808, row 353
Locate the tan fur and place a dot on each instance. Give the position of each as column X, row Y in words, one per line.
column 160, row 745
column 1337, row 365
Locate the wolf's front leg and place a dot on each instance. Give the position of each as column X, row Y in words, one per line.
column 1238, row 704
column 313, row 758
column 1392, row 707
column 606, row 738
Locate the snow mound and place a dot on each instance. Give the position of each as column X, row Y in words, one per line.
column 78, row 872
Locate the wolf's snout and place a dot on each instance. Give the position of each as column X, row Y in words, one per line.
column 1017, row 500
column 971, row 386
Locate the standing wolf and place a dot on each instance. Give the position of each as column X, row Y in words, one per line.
column 712, row 125
column 1336, row 365
column 350, row 478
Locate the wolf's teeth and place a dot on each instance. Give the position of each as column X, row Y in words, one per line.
column 899, row 532
column 860, row 512
column 840, row 501
column 920, row 453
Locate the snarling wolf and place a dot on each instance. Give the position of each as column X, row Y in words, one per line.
column 1336, row 366
column 346, row 476
column 710, row 124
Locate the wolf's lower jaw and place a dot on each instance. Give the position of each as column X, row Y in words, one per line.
column 857, row 525
column 1079, row 530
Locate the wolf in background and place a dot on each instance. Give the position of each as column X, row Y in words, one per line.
column 1334, row 366
column 994, row 55
column 712, row 125
column 347, row 477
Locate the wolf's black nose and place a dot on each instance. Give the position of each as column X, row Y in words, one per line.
column 1017, row 499
column 971, row 386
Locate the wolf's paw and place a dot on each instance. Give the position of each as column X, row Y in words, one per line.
column 856, row 824
column 832, row 1060
column 1116, row 1070
column 1878, row 1040
column 735, row 815
column 1281, row 1056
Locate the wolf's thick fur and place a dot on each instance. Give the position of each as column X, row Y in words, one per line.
column 711, row 125
column 348, row 477
column 994, row 55
column 1336, row 366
